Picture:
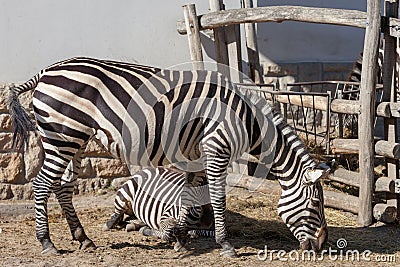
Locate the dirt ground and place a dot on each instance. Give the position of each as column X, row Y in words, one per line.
column 252, row 220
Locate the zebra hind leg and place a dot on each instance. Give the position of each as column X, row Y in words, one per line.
column 47, row 180
column 64, row 196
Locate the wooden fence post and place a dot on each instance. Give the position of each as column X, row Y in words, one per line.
column 232, row 35
column 390, row 94
column 367, row 112
column 255, row 72
column 221, row 48
column 193, row 33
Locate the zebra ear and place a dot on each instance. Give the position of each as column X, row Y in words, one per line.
column 314, row 175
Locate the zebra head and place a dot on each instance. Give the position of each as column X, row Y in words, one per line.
column 301, row 207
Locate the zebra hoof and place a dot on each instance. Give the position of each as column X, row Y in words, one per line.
column 50, row 251
column 179, row 247
column 133, row 226
column 106, row 227
column 145, row 231
column 229, row 253
column 87, row 245
column 192, row 234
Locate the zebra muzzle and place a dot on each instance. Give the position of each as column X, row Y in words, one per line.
column 317, row 241
column 319, row 232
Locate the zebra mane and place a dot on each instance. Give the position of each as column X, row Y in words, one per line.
column 290, row 136
column 257, row 101
column 288, row 133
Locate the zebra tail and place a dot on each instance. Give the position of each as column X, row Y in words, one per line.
column 21, row 122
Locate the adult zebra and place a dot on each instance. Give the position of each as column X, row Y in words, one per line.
column 154, row 197
column 148, row 116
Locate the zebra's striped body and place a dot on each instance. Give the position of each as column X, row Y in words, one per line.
column 352, row 92
column 154, row 196
column 146, row 116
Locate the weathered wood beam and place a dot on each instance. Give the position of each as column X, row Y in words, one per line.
column 385, row 213
column 390, row 91
column 307, row 101
column 388, row 109
column 221, row 48
column 385, row 184
column 232, row 36
column 345, row 106
column 255, row 71
column 341, row 201
column 394, row 27
column 383, row 109
column 192, row 26
column 343, row 17
column 352, row 146
column 345, row 177
column 366, row 118
column 387, row 149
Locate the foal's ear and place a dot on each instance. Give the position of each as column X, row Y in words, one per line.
column 314, row 175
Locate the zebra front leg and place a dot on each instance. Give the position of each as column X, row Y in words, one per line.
column 179, row 231
column 196, row 233
column 166, row 231
column 122, row 205
column 216, row 171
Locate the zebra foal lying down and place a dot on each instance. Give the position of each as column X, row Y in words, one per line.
column 154, row 197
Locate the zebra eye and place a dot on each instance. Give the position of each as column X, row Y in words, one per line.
column 315, row 201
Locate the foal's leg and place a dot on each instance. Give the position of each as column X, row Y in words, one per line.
column 165, row 232
column 122, row 206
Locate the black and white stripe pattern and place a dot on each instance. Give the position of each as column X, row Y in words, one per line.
column 352, row 92
column 140, row 196
column 301, row 204
column 153, row 196
column 146, row 116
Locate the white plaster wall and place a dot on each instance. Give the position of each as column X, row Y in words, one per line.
column 306, row 42
column 37, row 33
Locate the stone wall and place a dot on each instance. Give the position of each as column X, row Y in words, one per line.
column 17, row 170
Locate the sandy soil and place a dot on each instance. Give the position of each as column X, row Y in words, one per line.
column 252, row 221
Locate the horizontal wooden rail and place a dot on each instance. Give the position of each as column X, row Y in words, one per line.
column 307, row 101
column 394, row 27
column 385, row 213
column 388, row 109
column 345, row 106
column 319, row 103
column 343, row 17
column 351, row 146
column 345, row 177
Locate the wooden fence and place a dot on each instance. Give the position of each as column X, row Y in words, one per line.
column 227, row 44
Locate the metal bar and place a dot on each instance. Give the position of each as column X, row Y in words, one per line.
column 328, row 123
